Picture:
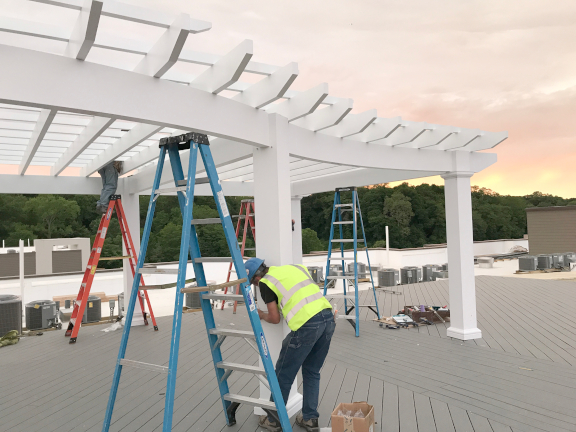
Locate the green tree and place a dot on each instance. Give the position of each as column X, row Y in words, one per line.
column 310, row 241
column 399, row 208
column 52, row 215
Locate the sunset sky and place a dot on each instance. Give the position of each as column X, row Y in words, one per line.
column 491, row 64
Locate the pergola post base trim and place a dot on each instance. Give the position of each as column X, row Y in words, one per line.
column 464, row 334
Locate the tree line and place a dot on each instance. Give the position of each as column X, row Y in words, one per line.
column 415, row 216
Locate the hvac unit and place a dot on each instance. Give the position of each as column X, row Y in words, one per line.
column 316, row 273
column 361, row 270
column 528, row 263
column 569, row 258
column 409, row 275
column 193, row 300
column 335, row 267
column 10, row 314
column 485, row 262
column 428, row 272
column 557, row 260
column 41, row 314
column 440, row 274
column 544, row 262
column 93, row 310
column 388, row 277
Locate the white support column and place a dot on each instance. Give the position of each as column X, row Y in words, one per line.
column 274, row 239
column 131, row 205
column 297, row 233
column 459, row 233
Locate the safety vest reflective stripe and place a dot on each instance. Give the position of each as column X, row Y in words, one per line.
column 287, row 294
column 302, row 303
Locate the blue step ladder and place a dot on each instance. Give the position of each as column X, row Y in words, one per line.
column 341, row 209
column 198, row 143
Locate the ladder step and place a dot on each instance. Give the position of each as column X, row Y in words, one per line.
column 344, row 223
column 169, row 190
column 342, row 258
column 340, row 296
column 242, row 216
column 257, row 370
column 237, row 297
column 212, row 259
column 340, row 277
column 348, row 317
column 249, row 249
column 199, row 180
column 142, row 365
column 206, row 221
column 241, row 399
column 346, row 240
column 343, row 205
column 154, row 270
column 233, row 333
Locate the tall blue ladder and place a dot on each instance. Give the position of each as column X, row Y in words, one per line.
column 198, row 143
column 339, row 209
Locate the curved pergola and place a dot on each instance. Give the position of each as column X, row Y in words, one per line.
column 62, row 108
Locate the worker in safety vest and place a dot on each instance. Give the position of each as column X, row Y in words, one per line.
column 290, row 292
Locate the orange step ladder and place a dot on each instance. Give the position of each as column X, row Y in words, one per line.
column 82, row 299
column 246, row 206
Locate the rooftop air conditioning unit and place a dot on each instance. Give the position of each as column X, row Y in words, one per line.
column 41, row 314
column 557, row 260
column 444, row 267
column 428, row 272
column 411, row 274
column 544, row 262
column 316, row 273
column 361, row 270
column 388, row 277
column 93, row 310
column 528, row 263
column 569, row 258
column 10, row 314
column 441, row 274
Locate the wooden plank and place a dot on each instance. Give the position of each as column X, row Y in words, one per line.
column 375, row 398
column 479, row 423
column 442, row 417
column 424, row 414
column 407, row 411
column 390, row 414
column 460, row 419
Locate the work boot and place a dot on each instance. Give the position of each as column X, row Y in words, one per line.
column 310, row 425
column 267, row 424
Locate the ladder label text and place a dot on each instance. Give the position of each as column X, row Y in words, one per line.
column 264, row 346
column 223, row 205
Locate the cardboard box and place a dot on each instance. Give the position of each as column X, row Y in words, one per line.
column 353, row 424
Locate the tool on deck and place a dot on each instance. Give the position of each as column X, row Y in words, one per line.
column 82, row 298
column 189, row 246
column 246, row 206
column 338, row 209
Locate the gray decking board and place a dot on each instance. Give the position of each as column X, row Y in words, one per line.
column 407, row 411
column 499, row 427
column 442, row 417
column 390, row 412
column 424, row 414
column 375, row 398
column 461, row 420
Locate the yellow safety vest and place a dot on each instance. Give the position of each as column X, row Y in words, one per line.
column 299, row 298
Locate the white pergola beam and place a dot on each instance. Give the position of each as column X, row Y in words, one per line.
column 352, row 124
column 139, row 133
column 301, row 104
column 406, row 133
column 269, row 89
column 485, row 141
column 226, row 70
column 431, row 137
column 84, row 32
column 39, row 184
column 87, row 137
column 326, row 117
column 128, row 12
column 165, row 52
column 458, row 139
column 42, row 125
column 381, row 128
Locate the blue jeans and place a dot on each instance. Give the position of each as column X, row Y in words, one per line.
column 306, row 347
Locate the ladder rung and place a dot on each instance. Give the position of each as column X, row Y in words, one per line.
column 199, row 180
column 154, row 270
column 249, row 249
column 169, row 190
column 114, row 258
column 243, row 216
column 213, row 287
column 341, row 296
column 234, row 333
column 342, row 258
column 343, row 205
column 147, row 366
column 212, row 259
column 257, row 370
column 340, row 277
column 348, row 317
column 344, row 223
column 206, row 221
column 250, row 401
column 346, row 240
column 237, row 297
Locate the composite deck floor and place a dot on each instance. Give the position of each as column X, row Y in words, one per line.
column 519, row 377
